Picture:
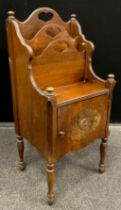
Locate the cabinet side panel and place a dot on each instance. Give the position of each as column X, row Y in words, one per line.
column 30, row 105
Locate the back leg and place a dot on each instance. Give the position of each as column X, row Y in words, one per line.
column 20, row 146
column 103, row 151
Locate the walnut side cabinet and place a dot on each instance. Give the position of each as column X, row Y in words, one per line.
column 60, row 105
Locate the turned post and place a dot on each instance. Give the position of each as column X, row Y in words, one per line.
column 20, row 146
column 50, row 181
column 51, row 136
column 110, row 83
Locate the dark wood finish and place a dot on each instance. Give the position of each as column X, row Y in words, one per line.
column 20, row 146
column 50, row 180
column 103, row 151
column 60, row 104
column 82, row 123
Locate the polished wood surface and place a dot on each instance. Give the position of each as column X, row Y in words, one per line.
column 91, row 112
column 79, row 92
column 103, row 151
column 60, row 105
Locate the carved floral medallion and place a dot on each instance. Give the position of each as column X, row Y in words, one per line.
column 85, row 122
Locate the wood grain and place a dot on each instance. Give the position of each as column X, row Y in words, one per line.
column 60, row 105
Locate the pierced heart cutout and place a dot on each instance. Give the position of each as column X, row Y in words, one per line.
column 45, row 16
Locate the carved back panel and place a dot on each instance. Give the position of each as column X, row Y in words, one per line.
column 39, row 18
column 60, row 63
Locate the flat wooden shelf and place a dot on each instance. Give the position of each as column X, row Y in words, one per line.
column 78, row 92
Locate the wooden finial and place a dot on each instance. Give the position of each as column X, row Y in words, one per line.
column 11, row 14
column 111, row 81
column 50, row 90
column 111, row 76
column 73, row 16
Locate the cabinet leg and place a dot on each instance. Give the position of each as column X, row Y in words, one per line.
column 103, row 151
column 20, row 146
column 50, row 181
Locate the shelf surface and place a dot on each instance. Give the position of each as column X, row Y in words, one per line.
column 78, row 92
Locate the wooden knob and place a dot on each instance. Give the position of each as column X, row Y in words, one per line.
column 61, row 133
column 50, row 90
column 11, row 14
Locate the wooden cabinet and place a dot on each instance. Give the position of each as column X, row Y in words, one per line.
column 60, row 105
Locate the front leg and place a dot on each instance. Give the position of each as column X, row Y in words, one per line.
column 110, row 83
column 103, row 151
column 20, row 146
column 50, row 181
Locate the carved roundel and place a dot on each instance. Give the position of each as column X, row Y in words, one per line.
column 86, row 121
column 84, row 124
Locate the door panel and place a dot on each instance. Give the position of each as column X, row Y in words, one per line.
column 81, row 123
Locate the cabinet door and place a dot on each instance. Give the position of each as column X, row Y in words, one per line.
column 81, row 123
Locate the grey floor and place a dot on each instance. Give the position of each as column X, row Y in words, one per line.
column 79, row 186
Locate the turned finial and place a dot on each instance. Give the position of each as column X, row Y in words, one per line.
column 73, row 16
column 11, row 14
column 50, row 90
column 111, row 80
column 111, row 76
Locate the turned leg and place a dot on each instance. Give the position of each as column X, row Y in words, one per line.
column 20, row 146
column 50, row 181
column 103, row 151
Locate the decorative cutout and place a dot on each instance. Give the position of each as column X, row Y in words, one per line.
column 45, row 16
column 61, row 46
column 84, row 123
column 53, row 31
column 78, row 44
